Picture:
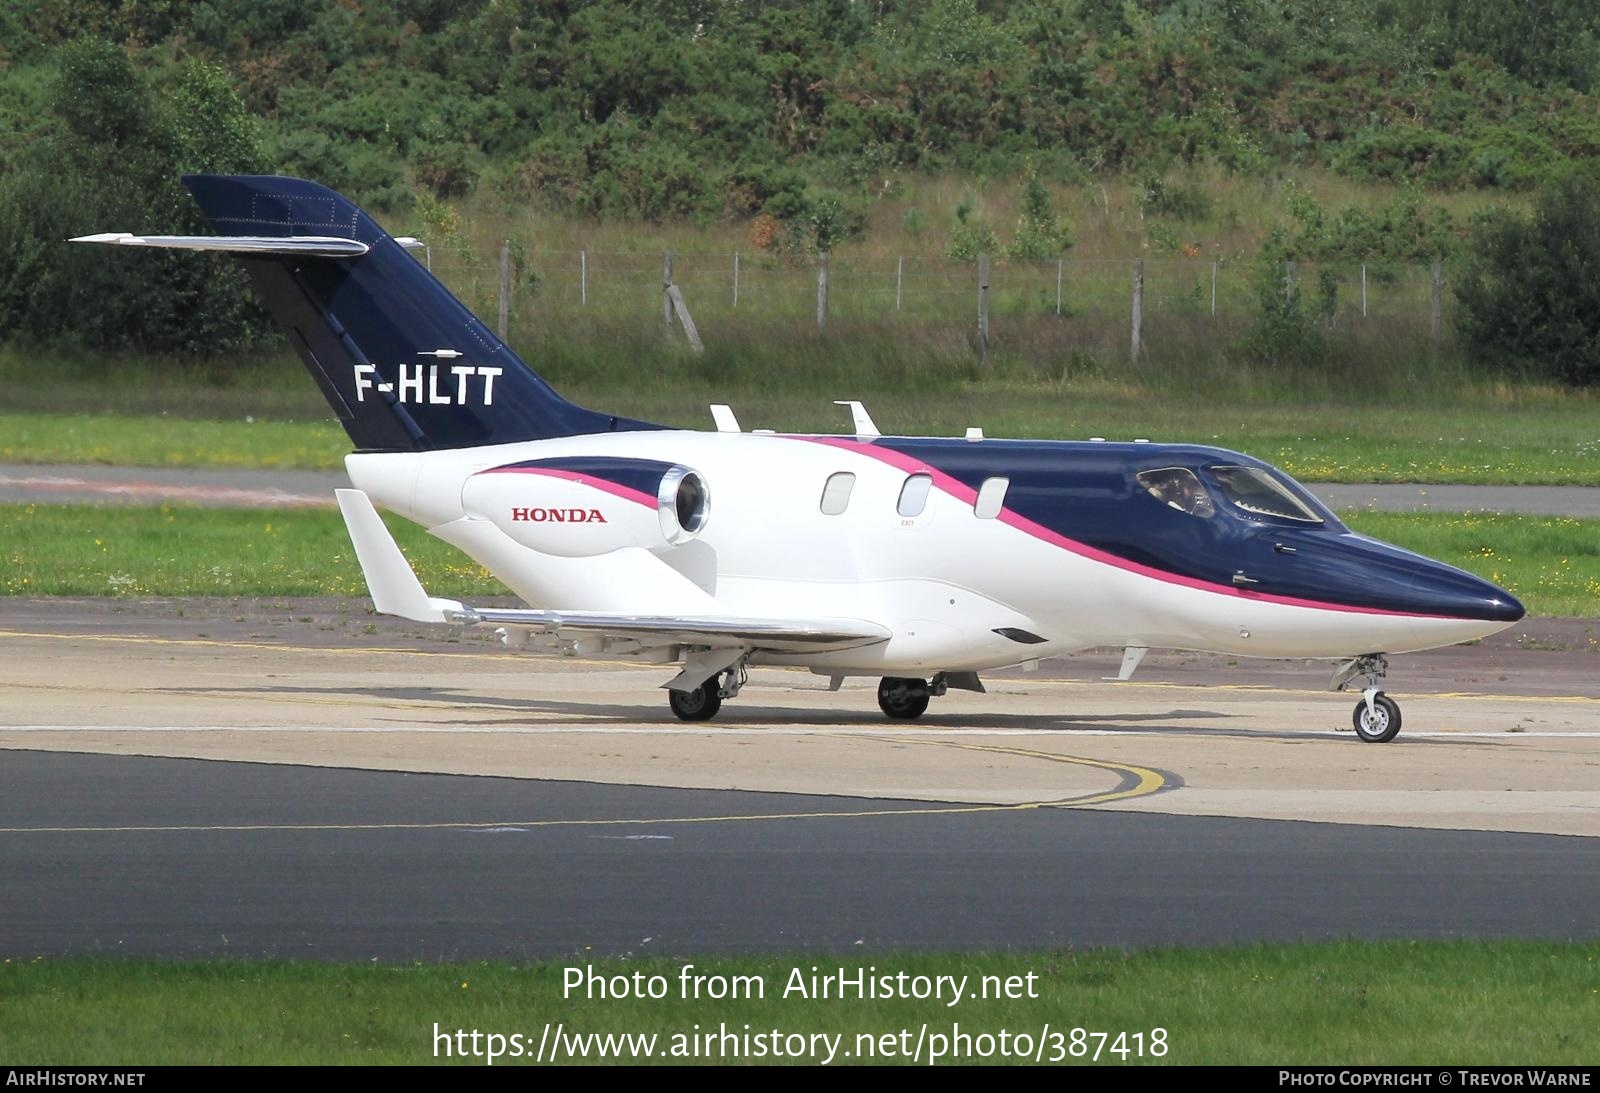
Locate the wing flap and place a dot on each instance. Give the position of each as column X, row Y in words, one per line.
column 778, row 635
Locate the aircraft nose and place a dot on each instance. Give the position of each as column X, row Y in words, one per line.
column 1452, row 593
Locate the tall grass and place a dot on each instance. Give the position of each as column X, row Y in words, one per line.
column 1107, row 217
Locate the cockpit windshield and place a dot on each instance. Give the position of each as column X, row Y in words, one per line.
column 1260, row 493
column 1179, row 488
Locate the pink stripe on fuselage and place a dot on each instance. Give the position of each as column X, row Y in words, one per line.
column 966, row 494
column 638, row 497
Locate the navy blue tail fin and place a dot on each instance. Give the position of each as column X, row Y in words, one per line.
column 404, row 365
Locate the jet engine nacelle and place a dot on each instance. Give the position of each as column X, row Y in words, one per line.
column 586, row 511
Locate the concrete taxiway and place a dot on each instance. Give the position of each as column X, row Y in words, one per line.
column 1059, row 808
column 1498, row 737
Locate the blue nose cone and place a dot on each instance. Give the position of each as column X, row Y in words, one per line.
column 1439, row 589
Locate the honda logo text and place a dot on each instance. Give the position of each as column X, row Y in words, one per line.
column 558, row 516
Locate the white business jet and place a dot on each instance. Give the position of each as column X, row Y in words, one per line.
column 919, row 560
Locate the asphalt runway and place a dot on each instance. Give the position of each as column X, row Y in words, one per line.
column 210, row 777
column 186, row 858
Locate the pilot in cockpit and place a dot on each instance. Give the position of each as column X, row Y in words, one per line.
column 1180, row 489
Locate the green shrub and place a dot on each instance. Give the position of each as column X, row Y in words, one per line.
column 111, row 159
column 1040, row 232
column 1180, row 200
column 1530, row 287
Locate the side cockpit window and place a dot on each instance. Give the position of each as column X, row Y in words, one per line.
column 1178, row 488
column 1259, row 493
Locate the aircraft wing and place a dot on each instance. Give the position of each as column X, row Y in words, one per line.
column 730, row 631
column 396, row 591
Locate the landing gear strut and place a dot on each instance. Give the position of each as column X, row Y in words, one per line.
column 1377, row 716
column 702, row 703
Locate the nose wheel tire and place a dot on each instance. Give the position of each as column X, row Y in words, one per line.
column 1382, row 724
column 903, row 699
column 700, row 704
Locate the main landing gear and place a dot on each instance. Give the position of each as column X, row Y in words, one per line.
column 907, row 699
column 702, row 703
column 1377, row 716
column 901, row 699
column 904, row 699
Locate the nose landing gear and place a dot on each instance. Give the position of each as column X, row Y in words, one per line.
column 1377, row 716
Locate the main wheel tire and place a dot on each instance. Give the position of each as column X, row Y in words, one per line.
column 902, row 699
column 1382, row 724
column 700, row 704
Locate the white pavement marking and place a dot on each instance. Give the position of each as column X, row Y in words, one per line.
column 754, row 730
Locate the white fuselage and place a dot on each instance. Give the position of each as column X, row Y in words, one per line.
column 943, row 581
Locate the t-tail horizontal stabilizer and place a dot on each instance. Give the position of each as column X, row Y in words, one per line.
column 320, row 246
column 390, row 578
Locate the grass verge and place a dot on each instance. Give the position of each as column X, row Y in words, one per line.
column 1383, row 419
column 1341, row 1002
column 1551, row 563
column 170, row 442
column 85, row 550
column 1531, row 444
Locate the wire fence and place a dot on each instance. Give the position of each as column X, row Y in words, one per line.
column 1105, row 302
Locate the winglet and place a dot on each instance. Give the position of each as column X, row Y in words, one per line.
column 1132, row 656
column 390, row 578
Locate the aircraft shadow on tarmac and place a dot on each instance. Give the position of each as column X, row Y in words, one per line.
column 1175, row 722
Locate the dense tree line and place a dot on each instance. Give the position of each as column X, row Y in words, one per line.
column 112, row 159
column 716, row 107
column 800, row 111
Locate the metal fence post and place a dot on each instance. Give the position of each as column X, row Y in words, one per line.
column 583, row 277
column 666, row 293
column 1138, row 305
column 735, row 278
column 1059, row 263
column 983, row 309
column 1436, row 302
column 822, row 290
column 505, row 287
column 899, row 278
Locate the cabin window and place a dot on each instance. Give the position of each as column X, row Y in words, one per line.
column 914, row 495
column 1177, row 487
column 991, row 498
column 836, row 493
column 1259, row 493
